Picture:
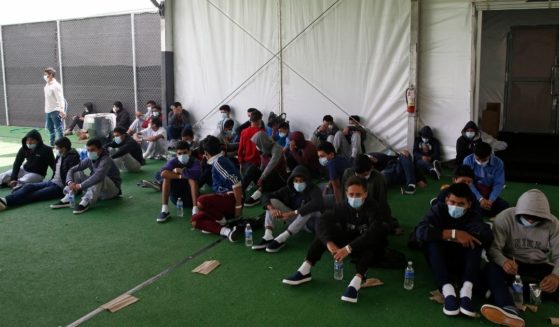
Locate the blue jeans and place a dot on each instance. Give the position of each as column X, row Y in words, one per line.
column 34, row 192
column 54, row 126
column 400, row 172
column 425, row 166
column 450, row 261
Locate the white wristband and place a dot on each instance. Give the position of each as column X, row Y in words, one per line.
column 348, row 249
column 453, row 234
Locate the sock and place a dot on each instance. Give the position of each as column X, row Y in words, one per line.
column 164, row 208
column 224, row 231
column 305, row 268
column 256, row 195
column 448, row 289
column 268, row 236
column 84, row 203
column 466, row 290
column 283, row 237
column 356, row 282
column 3, row 200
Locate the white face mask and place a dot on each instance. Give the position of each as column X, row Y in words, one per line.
column 355, row 203
column 425, row 140
column 323, row 161
column 156, row 114
column 470, row 135
column 482, row 164
column 46, row 78
column 148, row 109
column 183, row 158
column 282, row 134
column 526, row 223
column 114, row 109
column 299, row 187
column 224, row 115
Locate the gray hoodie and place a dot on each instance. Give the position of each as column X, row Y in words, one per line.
column 268, row 148
column 533, row 245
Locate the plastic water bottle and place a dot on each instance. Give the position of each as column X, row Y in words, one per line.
column 180, row 208
column 248, row 235
column 409, row 276
column 338, row 270
column 518, row 291
column 71, row 199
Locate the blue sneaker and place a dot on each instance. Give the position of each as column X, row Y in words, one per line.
column 466, row 307
column 350, row 295
column 451, row 307
column 163, row 217
column 507, row 316
column 297, row 279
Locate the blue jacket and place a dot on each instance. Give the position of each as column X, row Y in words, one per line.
column 224, row 174
column 492, row 175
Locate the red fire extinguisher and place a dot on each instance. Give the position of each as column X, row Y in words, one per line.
column 410, row 99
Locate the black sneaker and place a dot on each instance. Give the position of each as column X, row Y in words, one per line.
column 274, row 246
column 502, row 316
column 451, row 307
column 251, row 202
column 409, row 190
column 350, row 295
column 60, row 204
column 466, row 307
column 262, row 245
column 153, row 184
column 80, row 209
column 163, row 217
column 434, row 174
column 234, row 235
column 3, row 205
column 297, row 279
column 437, row 167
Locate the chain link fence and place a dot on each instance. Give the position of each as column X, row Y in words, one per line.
column 97, row 58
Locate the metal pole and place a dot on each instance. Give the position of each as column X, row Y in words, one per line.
column 475, row 107
column 4, row 78
column 59, row 44
column 414, row 39
column 133, row 28
column 280, row 60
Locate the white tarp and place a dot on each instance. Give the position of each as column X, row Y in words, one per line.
column 340, row 57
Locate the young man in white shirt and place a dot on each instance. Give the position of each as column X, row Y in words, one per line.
column 154, row 140
column 54, row 105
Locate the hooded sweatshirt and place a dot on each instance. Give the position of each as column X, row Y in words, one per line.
column 37, row 160
column 103, row 167
column 308, row 201
column 306, row 153
column 271, row 158
column 127, row 146
column 64, row 164
column 465, row 146
column 433, row 145
column 531, row 245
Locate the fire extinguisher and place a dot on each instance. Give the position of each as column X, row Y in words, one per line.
column 410, row 99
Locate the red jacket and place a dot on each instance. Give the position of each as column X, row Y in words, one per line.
column 247, row 152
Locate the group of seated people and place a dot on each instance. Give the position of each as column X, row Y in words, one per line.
column 255, row 163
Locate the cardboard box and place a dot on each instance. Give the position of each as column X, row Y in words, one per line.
column 491, row 118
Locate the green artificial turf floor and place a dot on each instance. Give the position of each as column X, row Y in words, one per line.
column 56, row 267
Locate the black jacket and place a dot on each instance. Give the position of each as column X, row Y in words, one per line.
column 364, row 226
column 127, row 146
column 123, row 119
column 435, row 150
column 69, row 160
column 37, row 160
column 310, row 200
column 464, row 145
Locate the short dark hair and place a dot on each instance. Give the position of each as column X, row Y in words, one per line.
column 156, row 121
column 95, row 142
column 354, row 180
column 151, row 102
column 355, row 117
column 158, row 107
column 63, row 142
column 328, row 118
column 460, row 190
column 251, row 110
column 362, row 164
column 463, row 171
column 182, row 145
column 211, row 145
column 326, row 147
column 119, row 130
column 229, row 123
column 117, row 104
column 225, row 107
column 284, row 125
column 482, row 150
column 255, row 116
column 187, row 132
column 177, row 104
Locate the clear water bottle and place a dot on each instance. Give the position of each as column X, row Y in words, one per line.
column 71, row 199
column 518, row 291
column 248, row 235
column 180, row 208
column 338, row 270
column 409, row 276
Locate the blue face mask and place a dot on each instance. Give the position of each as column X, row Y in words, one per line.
column 299, row 187
column 355, row 203
column 323, row 161
column 31, row 146
column 118, row 139
column 456, row 211
column 92, row 156
column 183, row 158
column 281, row 134
column 526, row 223
column 470, row 135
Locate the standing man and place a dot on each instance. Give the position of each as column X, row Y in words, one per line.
column 54, row 105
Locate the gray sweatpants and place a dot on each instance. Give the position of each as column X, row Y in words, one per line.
column 24, row 177
column 128, row 162
column 295, row 224
column 105, row 190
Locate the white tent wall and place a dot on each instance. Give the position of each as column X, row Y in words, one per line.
column 496, row 25
column 352, row 59
column 445, row 69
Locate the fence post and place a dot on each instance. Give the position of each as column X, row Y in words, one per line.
column 135, row 73
column 4, row 77
column 59, row 46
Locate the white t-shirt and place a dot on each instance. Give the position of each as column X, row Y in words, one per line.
column 149, row 132
column 54, row 100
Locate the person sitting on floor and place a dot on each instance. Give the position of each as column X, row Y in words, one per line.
column 452, row 238
column 354, row 136
column 102, row 184
column 302, row 152
column 225, row 115
column 328, row 131
column 77, row 120
column 399, row 169
column 462, row 174
column 35, row 192
column 227, row 138
column 271, row 174
column 279, row 132
column 467, row 142
column 177, row 120
column 427, row 153
column 180, row 181
column 125, row 151
column 489, row 181
column 122, row 116
column 248, row 156
column 227, row 200
column 353, row 228
column 335, row 166
column 38, row 158
column 154, row 140
column 526, row 244
column 244, row 125
column 137, row 124
column 294, row 204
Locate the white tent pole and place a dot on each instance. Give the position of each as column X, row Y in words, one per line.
column 134, row 72
column 414, row 38
column 475, row 114
column 4, row 77
column 280, row 60
column 59, row 46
